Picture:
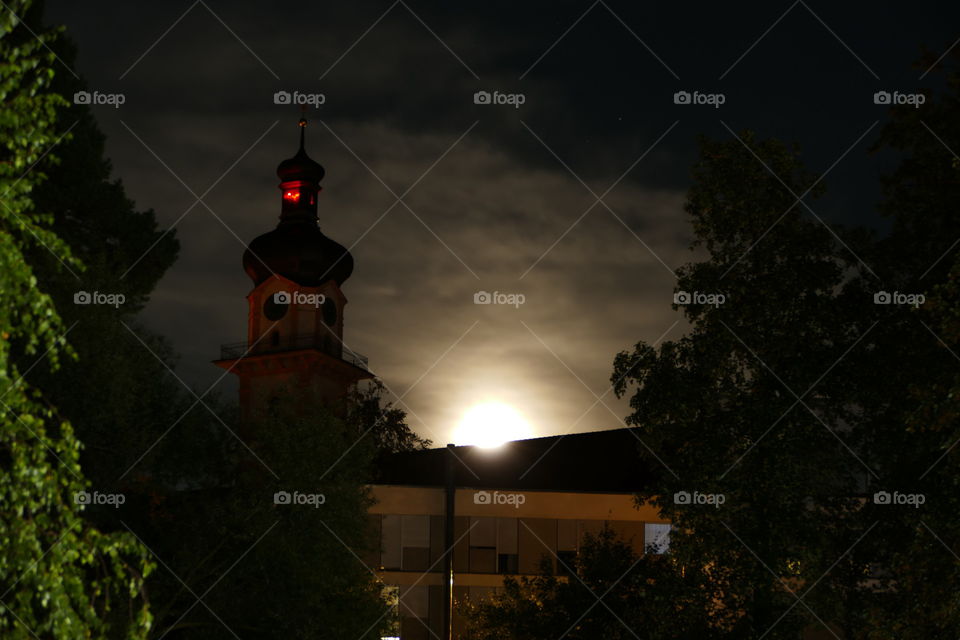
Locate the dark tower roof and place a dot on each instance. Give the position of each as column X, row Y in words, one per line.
column 297, row 249
column 300, row 166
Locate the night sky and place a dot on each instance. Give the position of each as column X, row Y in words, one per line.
column 494, row 197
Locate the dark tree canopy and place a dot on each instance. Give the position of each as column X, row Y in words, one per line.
column 607, row 592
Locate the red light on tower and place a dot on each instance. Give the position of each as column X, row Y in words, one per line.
column 291, row 196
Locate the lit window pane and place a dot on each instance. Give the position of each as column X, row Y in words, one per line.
column 656, row 537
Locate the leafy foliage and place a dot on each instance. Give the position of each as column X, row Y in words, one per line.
column 909, row 387
column 269, row 569
column 750, row 405
column 799, row 398
column 369, row 413
column 62, row 577
column 609, row 592
column 114, row 382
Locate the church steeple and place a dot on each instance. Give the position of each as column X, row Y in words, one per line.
column 300, row 178
column 295, row 317
column 297, row 249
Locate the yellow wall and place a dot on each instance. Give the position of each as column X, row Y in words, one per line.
column 393, row 499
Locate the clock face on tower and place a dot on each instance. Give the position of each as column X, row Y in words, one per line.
column 273, row 310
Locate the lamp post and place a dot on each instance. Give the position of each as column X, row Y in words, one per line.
column 449, row 495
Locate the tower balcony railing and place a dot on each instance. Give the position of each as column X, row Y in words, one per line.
column 327, row 344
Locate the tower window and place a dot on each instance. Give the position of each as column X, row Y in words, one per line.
column 329, row 312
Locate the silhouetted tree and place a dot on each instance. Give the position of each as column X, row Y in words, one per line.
column 607, row 592
column 280, row 551
column 373, row 416
column 746, row 417
column 907, row 385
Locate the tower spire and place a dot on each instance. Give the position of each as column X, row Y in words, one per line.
column 300, row 178
column 303, row 130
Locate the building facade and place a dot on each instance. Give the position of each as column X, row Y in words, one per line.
column 516, row 510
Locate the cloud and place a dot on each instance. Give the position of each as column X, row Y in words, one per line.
column 596, row 291
column 499, row 202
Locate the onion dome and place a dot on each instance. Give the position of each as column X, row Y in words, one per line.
column 297, row 249
column 300, row 167
column 300, row 253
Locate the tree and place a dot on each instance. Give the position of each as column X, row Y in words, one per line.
column 747, row 418
column 369, row 412
column 922, row 557
column 908, row 383
column 801, row 401
column 62, row 578
column 119, row 398
column 281, row 550
column 608, row 592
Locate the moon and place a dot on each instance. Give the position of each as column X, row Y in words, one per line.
column 491, row 424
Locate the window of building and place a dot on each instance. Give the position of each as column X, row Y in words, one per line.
column 566, row 535
column 631, row 532
column 508, row 557
column 415, row 543
column 566, row 546
column 566, row 563
column 538, row 545
column 390, row 546
column 508, row 563
column 405, row 542
column 414, row 612
column 329, row 312
column 414, row 602
column 483, row 545
column 589, row 527
column 656, row 537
